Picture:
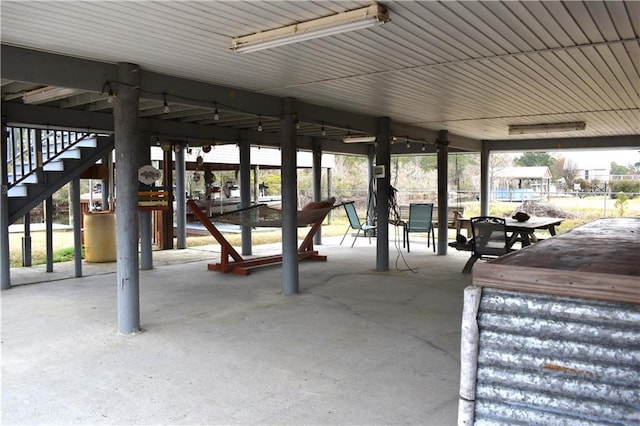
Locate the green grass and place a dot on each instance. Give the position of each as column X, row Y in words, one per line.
column 583, row 210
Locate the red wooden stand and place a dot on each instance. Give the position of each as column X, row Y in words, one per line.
column 237, row 264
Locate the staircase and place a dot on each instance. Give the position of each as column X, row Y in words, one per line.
column 40, row 162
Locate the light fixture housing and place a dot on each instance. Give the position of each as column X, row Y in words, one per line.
column 341, row 22
column 46, row 94
column 359, row 139
column 524, row 129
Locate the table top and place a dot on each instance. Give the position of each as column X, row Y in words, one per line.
column 534, row 222
column 599, row 260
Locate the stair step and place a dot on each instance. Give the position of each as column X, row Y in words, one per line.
column 53, row 166
column 73, row 153
column 29, row 178
column 17, row 191
column 86, row 143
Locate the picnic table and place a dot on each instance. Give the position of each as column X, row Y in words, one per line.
column 524, row 232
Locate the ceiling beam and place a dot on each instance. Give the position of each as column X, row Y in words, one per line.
column 196, row 134
column 71, row 119
column 20, row 114
column 335, row 118
column 463, row 143
column 49, row 69
column 556, row 144
column 191, row 92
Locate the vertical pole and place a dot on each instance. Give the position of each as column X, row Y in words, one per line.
column 290, row 273
column 317, row 181
column 144, row 216
column 469, row 339
column 26, row 241
column 77, row 231
column 329, row 192
column 167, row 215
column 383, row 158
column 181, row 199
column 106, row 183
column 48, row 220
column 245, row 191
column 443, row 188
column 484, row 179
column 256, row 184
column 371, row 193
column 5, row 260
column 125, row 115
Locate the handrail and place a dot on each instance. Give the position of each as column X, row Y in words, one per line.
column 29, row 149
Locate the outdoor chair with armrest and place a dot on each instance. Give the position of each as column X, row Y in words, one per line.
column 490, row 239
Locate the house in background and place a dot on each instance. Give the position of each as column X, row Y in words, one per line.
column 522, row 184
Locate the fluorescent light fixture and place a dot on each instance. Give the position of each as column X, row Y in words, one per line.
column 46, row 94
column 523, row 129
column 359, row 139
column 341, row 22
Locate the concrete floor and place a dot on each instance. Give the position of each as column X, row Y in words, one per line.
column 356, row 346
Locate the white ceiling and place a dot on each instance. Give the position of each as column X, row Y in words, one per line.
column 468, row 67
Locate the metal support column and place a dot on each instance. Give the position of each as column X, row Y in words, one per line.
column 77, row 225
column 74, row 190
column 329, row 194
column 106, row 183
column 166, row 242
column 125, row 115
column 5, row 260
column 371, row 190
column 245, row 191
column 383, row 158
column 484, row 180
column 26, row 241
column 48, row 220
column 288, row 139
column 443, row 188
column 256, row 184
column 181, row 199
column 144, row 216
column 317, row 181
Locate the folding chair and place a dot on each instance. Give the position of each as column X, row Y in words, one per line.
column 354, row 223
column 420, row 220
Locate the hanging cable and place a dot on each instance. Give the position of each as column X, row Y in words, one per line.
column 166, row 105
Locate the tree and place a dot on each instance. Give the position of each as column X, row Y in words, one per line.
column 619, row 169
column 569, row 172
column 621, row 203
column 528, row 159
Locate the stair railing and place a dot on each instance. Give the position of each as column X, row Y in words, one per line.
column 29, row 149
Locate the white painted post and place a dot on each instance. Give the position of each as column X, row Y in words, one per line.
column 469, row 355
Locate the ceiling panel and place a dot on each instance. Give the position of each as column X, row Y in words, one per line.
column 470, row 67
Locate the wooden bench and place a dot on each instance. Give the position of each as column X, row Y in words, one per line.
column 453, row 213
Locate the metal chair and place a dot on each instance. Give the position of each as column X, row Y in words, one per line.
column 354, row 223
column 489, row 241
column 420, row 220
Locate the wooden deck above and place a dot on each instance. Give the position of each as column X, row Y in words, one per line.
column 599, row 260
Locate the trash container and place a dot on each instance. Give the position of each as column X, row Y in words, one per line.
column 100, row 237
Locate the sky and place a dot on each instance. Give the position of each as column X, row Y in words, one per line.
column 601, row 159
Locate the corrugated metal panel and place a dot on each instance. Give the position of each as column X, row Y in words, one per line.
column 557, row 360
